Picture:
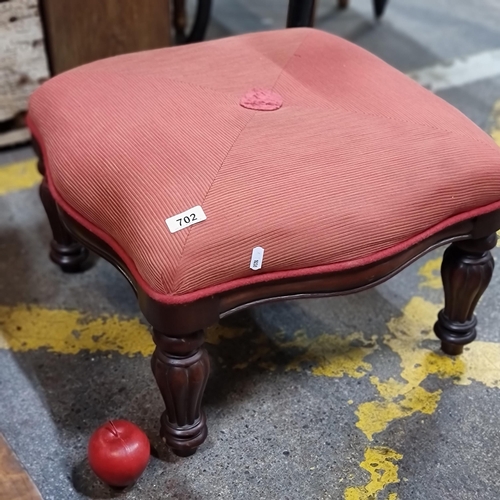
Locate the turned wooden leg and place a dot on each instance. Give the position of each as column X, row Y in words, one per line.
column 64, row 250
column 181, row 368
column 342, row 4
column 466, row 272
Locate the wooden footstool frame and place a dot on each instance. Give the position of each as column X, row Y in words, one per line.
column 180, row 362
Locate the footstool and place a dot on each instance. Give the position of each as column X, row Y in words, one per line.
column 262, row 167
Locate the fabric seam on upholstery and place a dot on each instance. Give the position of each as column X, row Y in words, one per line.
column 224, row 92
column 369, row 116
column 202, row 87
column 393, row 119
column 356, row 112
column 206, row 194
column 229, row 93
column 174, row 281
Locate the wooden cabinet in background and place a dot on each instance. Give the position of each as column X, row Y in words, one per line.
column 72, row 32
column 81, row 31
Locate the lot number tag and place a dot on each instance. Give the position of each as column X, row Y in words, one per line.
column 257, row 258
column 185, row 219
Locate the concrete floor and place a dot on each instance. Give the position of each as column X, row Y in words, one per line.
column 342, row 398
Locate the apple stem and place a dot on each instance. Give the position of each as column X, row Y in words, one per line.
column 114, row 430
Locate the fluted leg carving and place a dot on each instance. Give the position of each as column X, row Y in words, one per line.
column 68, row 254
column 466, row 272
column 181, row 368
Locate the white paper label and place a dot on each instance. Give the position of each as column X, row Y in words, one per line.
column 186, row 219
column 257, row 258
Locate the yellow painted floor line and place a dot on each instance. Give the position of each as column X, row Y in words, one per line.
column 25, row 328
column 431, row 272
column 29, row 327
column 407, row 338
column 18, row 176
column 380, row 463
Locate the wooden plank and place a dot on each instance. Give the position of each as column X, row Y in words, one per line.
column 23, row 64
column 15, row 482
column 14, row 137
column 94, row 29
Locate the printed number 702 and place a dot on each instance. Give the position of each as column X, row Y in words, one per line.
column 187, row 219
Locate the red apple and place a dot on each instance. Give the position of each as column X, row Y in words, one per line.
column 118, row 452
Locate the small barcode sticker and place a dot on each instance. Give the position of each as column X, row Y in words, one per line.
column 185, row 219
column 257, row 258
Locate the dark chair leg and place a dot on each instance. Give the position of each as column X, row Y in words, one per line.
column 181, row 368
column 300, row 13
column 342, row 4
column 379, row 7
column 466, row 272
column 180, row 21
column 201, row 19
column 68, row 254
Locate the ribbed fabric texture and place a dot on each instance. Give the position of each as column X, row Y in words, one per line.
column 358, row 159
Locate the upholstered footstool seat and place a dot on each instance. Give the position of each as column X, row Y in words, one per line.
column 264, row 166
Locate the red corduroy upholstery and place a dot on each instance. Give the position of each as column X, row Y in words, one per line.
column 356, row 163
